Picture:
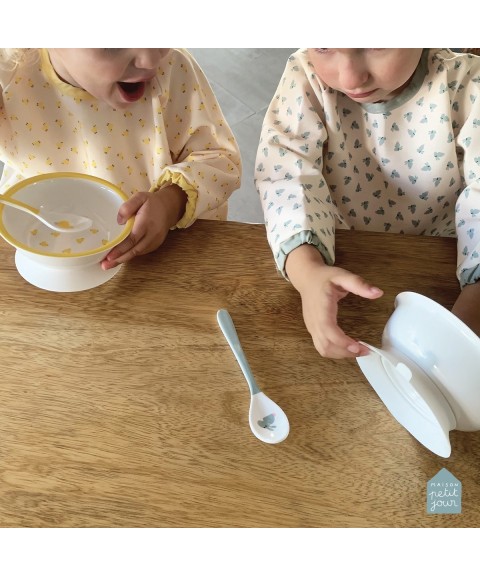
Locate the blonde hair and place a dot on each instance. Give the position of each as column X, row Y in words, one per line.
column 11, row 57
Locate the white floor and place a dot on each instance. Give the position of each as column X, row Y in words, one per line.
column 244, row 81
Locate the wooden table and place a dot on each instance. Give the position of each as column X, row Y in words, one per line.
column 123, row 406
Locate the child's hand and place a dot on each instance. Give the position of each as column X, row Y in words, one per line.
column 466, row 306
column 320, row 297
column 321, row 288
column 155, row 213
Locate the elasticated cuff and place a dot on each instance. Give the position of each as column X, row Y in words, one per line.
column 169, row 177
column 469, row 276
column 303, row 237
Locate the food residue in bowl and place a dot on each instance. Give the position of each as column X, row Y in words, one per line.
column 54, row 242
column 63, row 224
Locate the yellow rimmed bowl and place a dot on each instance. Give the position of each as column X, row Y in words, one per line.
column 64, row 261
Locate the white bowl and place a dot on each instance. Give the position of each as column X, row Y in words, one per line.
column 64, row 261
column 428, row 371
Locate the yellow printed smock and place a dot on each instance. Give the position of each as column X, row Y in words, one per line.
column 176, row 133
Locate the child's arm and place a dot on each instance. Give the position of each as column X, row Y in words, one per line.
column 299, row 211
column 289, row 171
column 205, row 167
column 321, row 288
column 206, row 158
column 467, row 306
column 467, row 209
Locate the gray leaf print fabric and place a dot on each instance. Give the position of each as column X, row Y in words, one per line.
column 410, row 165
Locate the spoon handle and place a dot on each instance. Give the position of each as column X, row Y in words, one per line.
column 228, row 329
column 20, row 205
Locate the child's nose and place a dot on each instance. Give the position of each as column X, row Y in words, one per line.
column 353, row 75
column 148, row 58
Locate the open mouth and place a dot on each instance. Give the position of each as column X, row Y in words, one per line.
column 132, row 91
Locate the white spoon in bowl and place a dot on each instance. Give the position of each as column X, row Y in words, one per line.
column 59, row 221
column 267, row 420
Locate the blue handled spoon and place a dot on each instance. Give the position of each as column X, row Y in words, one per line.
column 267, row 420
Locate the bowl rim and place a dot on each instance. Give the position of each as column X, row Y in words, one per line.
column 407, row 297
column 54, row 175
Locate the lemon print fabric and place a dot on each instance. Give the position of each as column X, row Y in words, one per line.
column 169, row 135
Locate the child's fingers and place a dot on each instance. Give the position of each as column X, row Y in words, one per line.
column 342, row 349
column 131, row 206
column 358, row 286
column 136, row 244
column 129, row 248
column 128, row 251
column 132, row 245
column 335, row 344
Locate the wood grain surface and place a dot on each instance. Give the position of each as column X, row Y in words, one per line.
column 123, row 406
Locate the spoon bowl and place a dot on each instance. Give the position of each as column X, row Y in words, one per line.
column 59, row 221
column 267, row 420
